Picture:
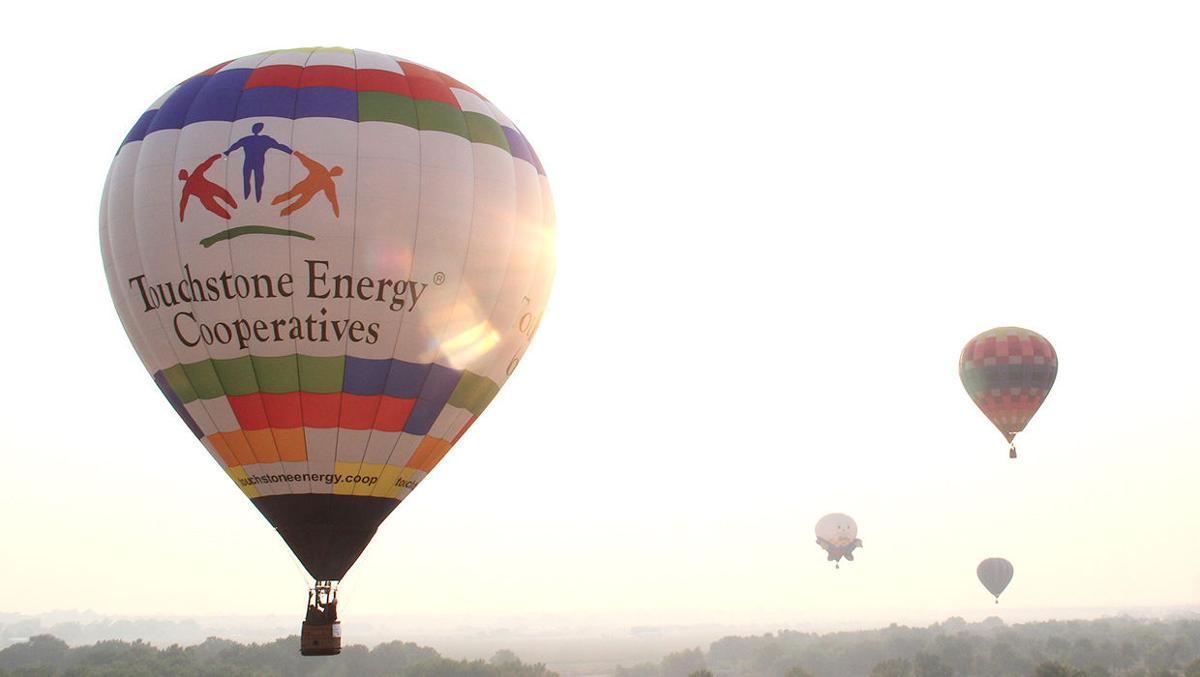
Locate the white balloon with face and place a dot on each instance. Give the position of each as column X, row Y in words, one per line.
column 838, row 529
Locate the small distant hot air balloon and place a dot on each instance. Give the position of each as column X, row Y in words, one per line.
column 330, row 261
column 995, row 574
column 1008, row 371
column 838, row 535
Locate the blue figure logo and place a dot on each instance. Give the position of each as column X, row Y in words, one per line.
column 255, row 147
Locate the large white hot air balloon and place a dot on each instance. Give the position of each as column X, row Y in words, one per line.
column 330, row 261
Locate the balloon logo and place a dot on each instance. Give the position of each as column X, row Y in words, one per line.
column 995, row 573
column 1008, row 371
column 837, row 534
column 330, row 261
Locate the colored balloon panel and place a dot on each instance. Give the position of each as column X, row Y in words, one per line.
column 1008, row 371
column 330, row 261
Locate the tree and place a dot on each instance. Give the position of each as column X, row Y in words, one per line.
column 893, row 667
column 504, row 657
column 797, row 671
column 701, row 673
column 1193, row 669
column 1053, row 669
column 683, row 663
column 930, row 665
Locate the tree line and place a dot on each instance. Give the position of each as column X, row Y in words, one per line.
column 48, row 656
column 1110, row 647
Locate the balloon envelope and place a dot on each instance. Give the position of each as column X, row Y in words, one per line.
column 1008, row 371
column 837, row 529
column 330, row 261
column 995, row 574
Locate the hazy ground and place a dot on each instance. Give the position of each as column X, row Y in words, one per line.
column 574, row 647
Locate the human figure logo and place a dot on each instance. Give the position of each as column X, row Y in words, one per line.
column 255, row 148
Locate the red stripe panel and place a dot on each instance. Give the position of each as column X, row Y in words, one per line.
column 320, row 410
column 371, row 80
column 328, row 76
column 249, row 410
column 368, row 79
column 358, row 411
column 432, row 90
column 428, row 84
column 458, row 85
column 283, row 410
column 393, row 413
column 274, row 76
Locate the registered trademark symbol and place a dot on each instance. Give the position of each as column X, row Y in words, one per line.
column 439, row 278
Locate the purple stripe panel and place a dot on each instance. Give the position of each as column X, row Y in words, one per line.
column 160, row 380
column 218, row 99
column 327, row 102
column 173, row 112
column 435, row 393
column 139, row 128
column 521, row 148
column 405, row 379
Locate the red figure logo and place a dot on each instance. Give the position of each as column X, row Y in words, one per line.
column 196, row 184
column 319, row 179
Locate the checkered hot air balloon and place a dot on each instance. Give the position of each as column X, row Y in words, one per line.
column 330, row 261
column 1008, row 371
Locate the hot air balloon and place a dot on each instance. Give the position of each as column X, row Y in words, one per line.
column 330, row 261
column 1008, row 371
column 995, row 574
column 838, row 535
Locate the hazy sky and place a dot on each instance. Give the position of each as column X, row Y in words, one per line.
column 777, row 228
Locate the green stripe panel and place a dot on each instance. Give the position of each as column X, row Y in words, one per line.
column 441, row 117
column 387, row 107
column 474, row 393
column 431, row 116
column 180, row 383
column 237, row 375
column 278, row 375
column 203, row 378
column 322, row 374
column 208, row 379
column 483, row 129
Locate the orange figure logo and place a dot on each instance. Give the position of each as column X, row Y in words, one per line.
column 319, row 179
column 196, row 184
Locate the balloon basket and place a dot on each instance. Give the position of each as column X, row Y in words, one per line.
column 321, row 632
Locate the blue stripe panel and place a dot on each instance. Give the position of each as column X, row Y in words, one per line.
column 435, row 393
column 279, row 102
column 160, row 380
column 364, row 376
column 327, row 102
column 441, row 383
column 218, row 99
column 404, row 379
column 424, row 413
column 174, row 110
column 139, row 128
